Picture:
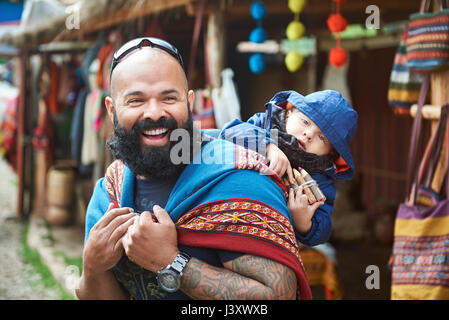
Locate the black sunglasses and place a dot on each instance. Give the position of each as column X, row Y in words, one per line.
column 138, row 43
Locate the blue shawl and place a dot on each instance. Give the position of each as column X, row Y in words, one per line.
column 221, row 200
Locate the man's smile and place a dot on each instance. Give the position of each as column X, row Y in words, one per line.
column 157, row 136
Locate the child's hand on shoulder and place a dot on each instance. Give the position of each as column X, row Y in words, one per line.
column 279, row 162
column 301, row 211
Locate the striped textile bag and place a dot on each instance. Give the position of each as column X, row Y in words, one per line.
column 420, row 260
column 428, row 39
column 403, row 90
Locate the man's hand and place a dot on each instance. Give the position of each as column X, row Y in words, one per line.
column 104, row 248
column 152, row 243
column 279, row 162
column 102, row 251
column 301, row 211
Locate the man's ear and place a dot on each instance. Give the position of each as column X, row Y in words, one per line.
column 109, row 102
column 191, row 97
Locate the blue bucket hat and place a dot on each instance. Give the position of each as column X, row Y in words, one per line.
column 331, row 112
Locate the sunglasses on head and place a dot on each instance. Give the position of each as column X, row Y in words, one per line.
column 138, row 43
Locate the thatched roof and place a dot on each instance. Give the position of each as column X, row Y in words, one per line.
column 93, row 15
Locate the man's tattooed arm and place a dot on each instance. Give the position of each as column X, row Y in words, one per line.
column 247, row 277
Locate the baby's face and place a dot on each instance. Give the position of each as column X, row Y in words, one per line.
column 311, row 139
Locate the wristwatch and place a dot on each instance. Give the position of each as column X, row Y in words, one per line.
column 169, row 278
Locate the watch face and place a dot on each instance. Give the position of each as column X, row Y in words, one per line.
column 169, row 280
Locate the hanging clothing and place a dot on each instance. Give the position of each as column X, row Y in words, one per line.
column 225, row 100
column 336, row 79
column 77, row 130
column 203, row 109
column 90, row 146
column 102, row 56
column 90, row 55
column 94, row 103
column 9, row 98
column 51, row 98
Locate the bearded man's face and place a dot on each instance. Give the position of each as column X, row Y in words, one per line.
column 149, row 99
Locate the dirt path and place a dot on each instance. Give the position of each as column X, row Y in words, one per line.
column 17, row 279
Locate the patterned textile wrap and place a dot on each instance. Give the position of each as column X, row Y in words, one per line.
column 221, row 200
column 421, row 242
column 428, row 39
column 404, row 85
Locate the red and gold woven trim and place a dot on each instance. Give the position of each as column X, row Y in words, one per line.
column 244, row 217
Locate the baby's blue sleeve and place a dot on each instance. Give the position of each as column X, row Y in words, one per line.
column 250, row 135
column 322, row 219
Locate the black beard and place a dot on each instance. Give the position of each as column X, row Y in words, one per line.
column 151, row 162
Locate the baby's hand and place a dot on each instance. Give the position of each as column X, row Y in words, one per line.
column 301, row 211
column 279, row 162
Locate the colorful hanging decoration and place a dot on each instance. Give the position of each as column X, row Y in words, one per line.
column 258, row 35
column 295, row 30
column 337, row 24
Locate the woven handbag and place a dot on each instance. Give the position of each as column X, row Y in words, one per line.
column 404, row 86
column 428, row 39
column 420, row 260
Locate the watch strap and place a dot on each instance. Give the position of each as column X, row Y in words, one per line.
column 178, row 263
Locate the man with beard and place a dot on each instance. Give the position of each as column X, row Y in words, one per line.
column 160, row 230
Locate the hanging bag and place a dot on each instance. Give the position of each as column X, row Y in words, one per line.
column 403, row 90
column 420, row 266
column 428, row 39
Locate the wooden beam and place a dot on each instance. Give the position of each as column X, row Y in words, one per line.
column 312, row 7
column 93, row 16
column 377, row 42
column 107, row 16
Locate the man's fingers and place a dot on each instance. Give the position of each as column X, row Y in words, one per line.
column 119, row 220
column 146, row 217
column 112, row 213
column 121, row 230
column 161, row 215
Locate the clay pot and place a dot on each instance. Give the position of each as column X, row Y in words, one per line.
column 58, row 216
column 60, row 183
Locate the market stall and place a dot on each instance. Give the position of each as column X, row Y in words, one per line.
column 235, row 56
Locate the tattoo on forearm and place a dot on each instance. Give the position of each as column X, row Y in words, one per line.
column 250, row 277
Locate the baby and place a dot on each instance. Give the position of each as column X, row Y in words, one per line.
column 314, row 132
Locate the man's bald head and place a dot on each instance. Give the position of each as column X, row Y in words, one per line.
column 146, row 60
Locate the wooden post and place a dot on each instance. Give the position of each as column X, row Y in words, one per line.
column 216, row 46
column 439, row 96
column 439, row 87
column 23, row 66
